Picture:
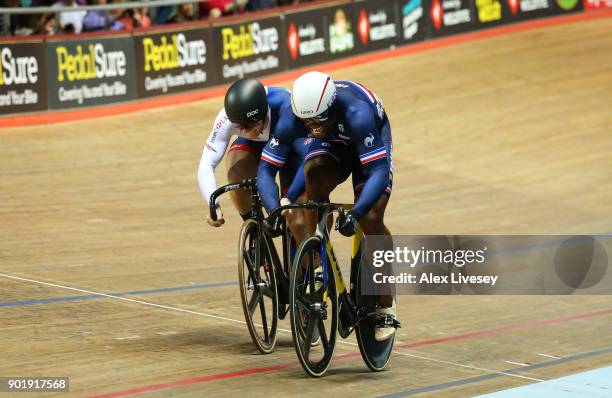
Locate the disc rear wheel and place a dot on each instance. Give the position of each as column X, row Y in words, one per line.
column 376, row 354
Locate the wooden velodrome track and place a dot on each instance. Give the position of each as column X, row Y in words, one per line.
column 507, row 135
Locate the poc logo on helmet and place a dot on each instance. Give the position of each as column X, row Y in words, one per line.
column 252, row 113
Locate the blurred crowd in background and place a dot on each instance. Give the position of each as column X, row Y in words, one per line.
column 79, row 20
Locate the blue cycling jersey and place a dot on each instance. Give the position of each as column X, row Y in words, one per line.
column 360, row 124
column 286, row 144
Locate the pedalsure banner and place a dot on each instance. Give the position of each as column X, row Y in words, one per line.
column 248, row 49
column 172, row 62
column 61, row 73
column 23, row 85
column 85, row 72
column 377, row 24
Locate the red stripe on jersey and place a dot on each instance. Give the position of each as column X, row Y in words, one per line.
column 270, row 160
column 382, row 155
column 367, row 91
column 245, row 148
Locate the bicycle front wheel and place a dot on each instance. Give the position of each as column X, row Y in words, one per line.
column 313, row 304
column 257, row 288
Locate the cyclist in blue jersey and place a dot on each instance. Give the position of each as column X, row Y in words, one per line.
column 352, row 136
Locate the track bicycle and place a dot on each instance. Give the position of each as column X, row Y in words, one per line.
column 263, row 278
column 320, row 303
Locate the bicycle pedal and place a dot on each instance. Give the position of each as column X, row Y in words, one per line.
column 386, row 321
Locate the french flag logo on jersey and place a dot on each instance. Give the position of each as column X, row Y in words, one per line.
column 274, row 159
column 373, row 155
column 364, row 90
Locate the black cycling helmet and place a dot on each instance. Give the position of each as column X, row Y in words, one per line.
column 246, row 102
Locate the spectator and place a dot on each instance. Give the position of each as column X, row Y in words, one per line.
column 45, row 24
column 97, row 19
column 69, row 29
column 184, row 12
column 254, row 5
column 163, row 14
column 128, row 19
column 217, row 8
column 67, row 18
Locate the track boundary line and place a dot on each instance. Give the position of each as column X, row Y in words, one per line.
column 166, row 307
column 488, row 376
column 249, row 371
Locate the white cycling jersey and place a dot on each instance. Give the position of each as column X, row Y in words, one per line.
column 214, row 150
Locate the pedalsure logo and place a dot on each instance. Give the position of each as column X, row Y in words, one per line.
column 21, row 83
column 86, row 72
column 17, row 70
column 249, row 48
column 173, row 61
column 248, row 40
column 91, row 62
column 172, row 52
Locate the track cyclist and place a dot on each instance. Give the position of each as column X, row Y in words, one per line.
column 352, row 136
column 255, row 114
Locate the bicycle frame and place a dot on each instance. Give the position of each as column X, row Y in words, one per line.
column 281, row 269
column 350, row 311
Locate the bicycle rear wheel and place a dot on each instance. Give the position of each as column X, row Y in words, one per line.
column 376, row 354
column 313, row 308
column 257, row 288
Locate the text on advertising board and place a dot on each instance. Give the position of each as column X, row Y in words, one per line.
column 250, row 40
column 489, row 10
column 17, row 70
column 178, row 53
column 303, row 40
column 93, row 64
column 340, row 33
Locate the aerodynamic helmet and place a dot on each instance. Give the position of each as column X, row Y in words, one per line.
column 313, row 96
column 246, row 102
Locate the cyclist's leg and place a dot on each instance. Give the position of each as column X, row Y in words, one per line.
column 295, row 218
column 242, row 160
column 325, row 169
column 372, row 223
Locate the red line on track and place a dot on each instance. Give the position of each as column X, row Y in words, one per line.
column 246, row 372
column 111, row 110
column 506, row 329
